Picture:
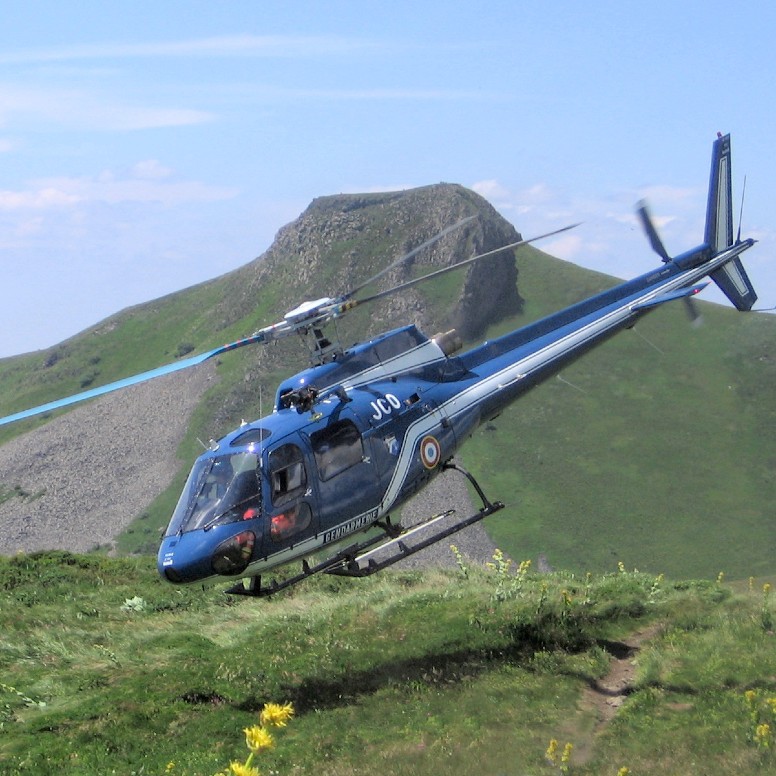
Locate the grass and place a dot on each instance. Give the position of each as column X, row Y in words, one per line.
column 106, row 669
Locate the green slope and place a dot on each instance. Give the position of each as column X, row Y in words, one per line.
column 104, row 669
column 657, row 449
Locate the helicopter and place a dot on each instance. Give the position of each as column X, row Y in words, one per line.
column 363, row 429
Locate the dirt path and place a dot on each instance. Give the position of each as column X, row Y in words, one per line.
column 603, row 698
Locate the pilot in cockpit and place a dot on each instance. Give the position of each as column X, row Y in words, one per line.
column 218, row 480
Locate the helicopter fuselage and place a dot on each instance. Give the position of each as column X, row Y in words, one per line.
column 354, row 438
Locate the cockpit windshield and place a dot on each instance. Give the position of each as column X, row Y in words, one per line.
column 222, row 489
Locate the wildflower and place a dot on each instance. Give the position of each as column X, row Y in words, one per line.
column 500, row 564
column 623, row 771
column 565, row 758
column 720, row 577
column 257, row 739
column 459, row 559
column 621, row 567
column 238, row 769
column 763, row 735
column 552, row 752
column 276, row 715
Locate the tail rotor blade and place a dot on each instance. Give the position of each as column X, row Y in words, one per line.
column 649, row 228
column 696, row 319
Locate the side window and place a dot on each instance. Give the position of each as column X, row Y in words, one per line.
column 336, row 448
column 287, row 474
column 292, row 521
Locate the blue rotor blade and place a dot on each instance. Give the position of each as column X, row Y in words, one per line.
column 133, row 380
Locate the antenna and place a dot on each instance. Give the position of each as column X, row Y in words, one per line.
column 741, row 212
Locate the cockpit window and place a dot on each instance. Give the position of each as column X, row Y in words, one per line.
column 287, row 474
column 336, row 448
column 223, row 489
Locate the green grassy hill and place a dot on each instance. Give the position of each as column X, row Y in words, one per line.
column 657, row 449
column 104, row 669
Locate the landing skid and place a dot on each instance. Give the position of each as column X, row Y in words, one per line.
column 361, row 558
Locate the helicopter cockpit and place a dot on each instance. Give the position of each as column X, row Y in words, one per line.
column 221, row 489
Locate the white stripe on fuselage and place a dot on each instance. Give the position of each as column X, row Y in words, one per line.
column 403, row 362
column 471, row 396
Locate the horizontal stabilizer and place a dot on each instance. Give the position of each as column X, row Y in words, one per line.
column 735, row 284
column 680, row 293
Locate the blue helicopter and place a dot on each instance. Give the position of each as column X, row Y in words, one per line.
column 363, row 429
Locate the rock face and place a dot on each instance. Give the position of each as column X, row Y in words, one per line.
column 340, row 241
column 84, row 476
column 79, row 480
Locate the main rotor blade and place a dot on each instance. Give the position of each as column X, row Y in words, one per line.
column 463, row 263
column 176, row 366
column 407, row 256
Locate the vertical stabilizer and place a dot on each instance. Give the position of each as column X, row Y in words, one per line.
column 719, row 212
column 731, row 277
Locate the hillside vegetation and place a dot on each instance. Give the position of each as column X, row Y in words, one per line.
column 476, row 670
column 658, row 448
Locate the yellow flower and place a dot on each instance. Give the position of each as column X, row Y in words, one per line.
column 764, row 735
column 566, row 756
column 623, row 771
column 257, row 739
column 276, row 715
column 552, row 751
column 238, row 769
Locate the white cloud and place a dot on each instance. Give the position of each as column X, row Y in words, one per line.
column 41, row 198
column 150, row 182
column 492, row 190
column 280, row 46
column 567, row 246
column 151, row 169
column 80, row 109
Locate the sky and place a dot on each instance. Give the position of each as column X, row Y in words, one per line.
column 149, row 146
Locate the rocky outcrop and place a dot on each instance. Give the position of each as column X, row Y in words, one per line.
column 341, row 241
